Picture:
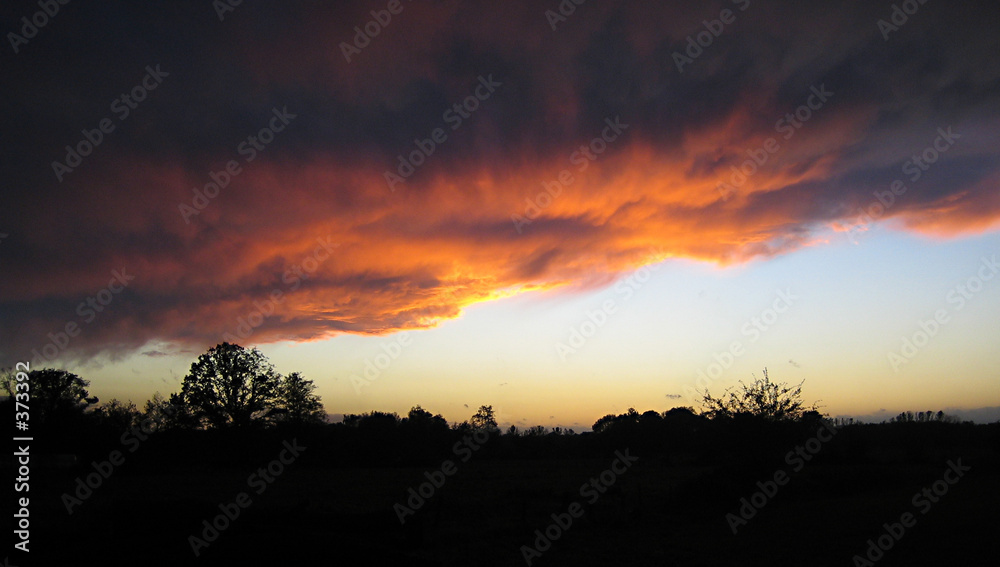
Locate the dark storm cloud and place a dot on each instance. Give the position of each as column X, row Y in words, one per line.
column 444, row 238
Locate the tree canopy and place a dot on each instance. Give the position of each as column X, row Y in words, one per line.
column 56, row 395
column 298, row 403
column 231, row 386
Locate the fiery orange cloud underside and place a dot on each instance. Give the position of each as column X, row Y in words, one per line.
column 420, row 255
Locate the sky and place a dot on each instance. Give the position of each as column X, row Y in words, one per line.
column 561, row 211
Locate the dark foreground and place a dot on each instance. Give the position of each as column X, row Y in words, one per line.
column 643, row 507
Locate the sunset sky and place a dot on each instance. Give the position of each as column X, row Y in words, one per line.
column 560, row 214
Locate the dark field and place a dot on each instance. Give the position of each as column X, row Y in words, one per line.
column 324, row 508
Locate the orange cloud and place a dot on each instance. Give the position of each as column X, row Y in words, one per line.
column 510, row 202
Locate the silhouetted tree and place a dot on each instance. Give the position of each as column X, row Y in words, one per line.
column 762, row 398
column 373, row 421
column 422, row 420
column 650, row 418
column 7, row 380
column 903, row 417
column 117, row 415
column 603, row 423
column 923, row 417
column 682, row 413
column 231, row 386
column 297, row 402
column 484, row 419
column 168, row 413
column 628, row 421
column 57, row 396
column 536, row 431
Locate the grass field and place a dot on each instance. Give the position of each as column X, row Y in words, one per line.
column 654, row 514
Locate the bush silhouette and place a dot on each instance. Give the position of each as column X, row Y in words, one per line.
column 761, row 398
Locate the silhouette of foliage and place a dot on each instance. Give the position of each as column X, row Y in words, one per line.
column 536, row 431
column 484, row 419
column 168, row 413
column 603, row 423
column 422, row 420
column 373, row 421
column 626, row 420
column 923, row 417
column 57, row 396
column 231, row 386
column 761, row 398
column 298, row 403
column 117, row 415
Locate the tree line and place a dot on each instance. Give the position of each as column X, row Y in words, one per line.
column 233, row 388
column 227, row 387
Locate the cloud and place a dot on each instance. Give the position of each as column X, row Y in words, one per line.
column 978, row 415
column 154, row 353
column 445, row 238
